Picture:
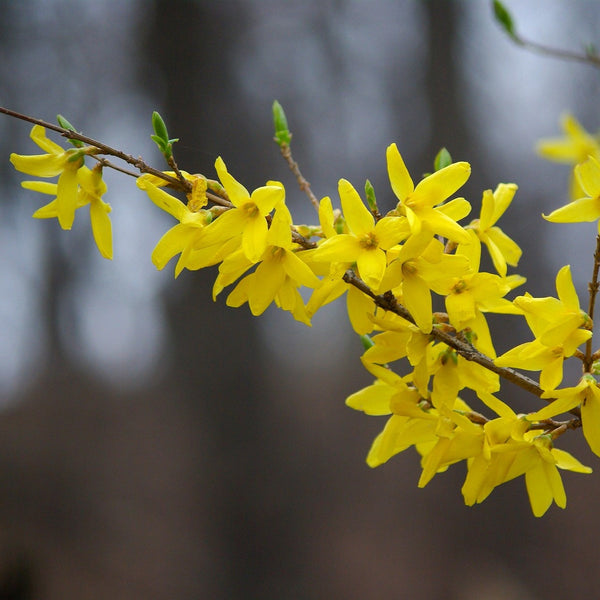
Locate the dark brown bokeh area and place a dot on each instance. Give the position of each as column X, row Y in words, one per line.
column 156, row 445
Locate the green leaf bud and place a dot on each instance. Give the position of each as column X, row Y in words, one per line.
column 160, row 129
column 504, row 18
column 282, row 133
column 66, row 125
column 161, row 136
column 370, row 194
column 442, row 160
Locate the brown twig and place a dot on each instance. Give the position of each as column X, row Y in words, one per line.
column 388, row 302
column 138, row 163
column 286, row 152
column 587, row 58
column 593, row 286
column 171, row 162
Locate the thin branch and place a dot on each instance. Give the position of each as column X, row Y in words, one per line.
column 286, row 152
column 212, row 197
column 593, row 290
column 388, row 302
column 178, row 182
column 587, row 58
column 138, row 163
column 173, row 165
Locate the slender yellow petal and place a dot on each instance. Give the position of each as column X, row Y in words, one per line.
column 588, row 176
column 390, row 231
column 440, row 185
column 371, row 266
column 67, row 196
column 266, row 198
column 237, row 193
column 552, row 374
column 565, row 288
column 38, row 135
column 171, row 243
column 163, row 199
column 44, row 187
column 279, row 233
column 417, row 299
column 48, row 211
column 372, row 400
column 358, row 217
column 509, row 249
column 400, row 180
column 239, row 294
column 299, row 271
column 456, row 209
column 443, row 225
column 41, row 165
column 326, row 218
column 268, row 278
column 578, row 211
column 503, row 196
column 101, row 227
column 564, row 460
column 359, row 307
column 558, row 407
column 339, row 248
column 254, row 238
column 590, row 417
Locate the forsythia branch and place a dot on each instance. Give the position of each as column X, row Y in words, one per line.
column 388, row 302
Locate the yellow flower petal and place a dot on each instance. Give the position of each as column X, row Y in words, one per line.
column 101, row 227
column 358, row 217
column 588, row 175
column 371, row 266
column 400, row 180
column 359, row 307
column 417, row 299
column 590, row 418
column 578, row 211
column 254, row 238
column 163, row 199
column 237, row 193
column 440, row 185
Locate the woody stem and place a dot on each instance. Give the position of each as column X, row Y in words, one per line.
column 593, row 286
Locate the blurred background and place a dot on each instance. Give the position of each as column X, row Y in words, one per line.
column 157, row 445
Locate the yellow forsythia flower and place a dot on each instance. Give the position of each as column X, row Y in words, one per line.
column 420, row 204
column 573, row 148
column 586, row 208
column 502, row 249
column 90, row 191
column 57, row 161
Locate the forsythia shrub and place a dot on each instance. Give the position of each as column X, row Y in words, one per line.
column 389, row 267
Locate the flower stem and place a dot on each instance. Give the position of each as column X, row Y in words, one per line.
column 593, row 290
column 388, row 301
column 304, row 185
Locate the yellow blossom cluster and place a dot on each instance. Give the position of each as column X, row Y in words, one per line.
column 393, row 268
column 77, row 186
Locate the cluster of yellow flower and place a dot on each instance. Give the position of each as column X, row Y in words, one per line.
column 399, row 257
column 77, row 186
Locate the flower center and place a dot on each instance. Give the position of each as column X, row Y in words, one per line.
column 409, row 267
column 368, row 241
column 251, row 210
column 459, row 287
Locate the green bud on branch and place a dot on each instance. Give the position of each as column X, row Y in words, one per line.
column 442, row 160
column 370, row 194
column 282, row 133
column 66, row 125
column 504, row 18
column 161, row 136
